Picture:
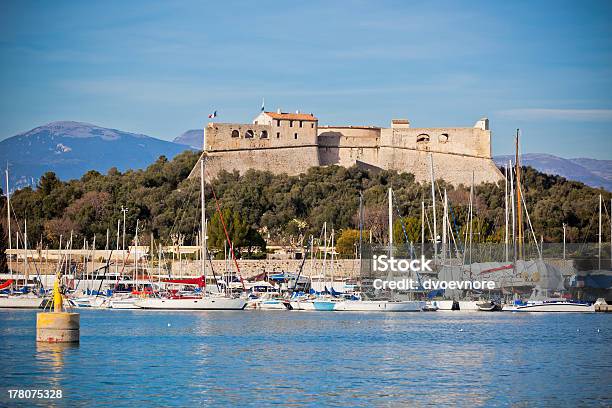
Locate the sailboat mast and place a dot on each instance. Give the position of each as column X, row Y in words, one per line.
column 136, row 254
column 117, row 244
column 25, row 251
column 471, row 219
column 444, row 226
column 599, row 246
column 325, row 250
column 93, row 263
column 433, row 201
column 518, row 198
column 332, row 261
column 512, row 213
column 8, row 220
column 506, row 210
column 123, row 210
column 390, row 223
column 360, row 224
column 203, row 220
column 422, row 228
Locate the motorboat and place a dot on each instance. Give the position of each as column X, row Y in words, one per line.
column 550, row 305
column 489, row 306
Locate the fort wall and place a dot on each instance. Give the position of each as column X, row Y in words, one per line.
column 344, row 146
column 293, row 143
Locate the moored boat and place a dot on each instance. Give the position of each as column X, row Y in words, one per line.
column 489, row 306
column 550, row 305
column 191, row 303
column 27, row 301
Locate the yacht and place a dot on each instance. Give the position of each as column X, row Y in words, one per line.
column 26, row 301
column 208, row 302
column 549, row 305
column 381, row 306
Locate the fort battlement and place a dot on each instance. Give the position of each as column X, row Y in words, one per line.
column 293, row 142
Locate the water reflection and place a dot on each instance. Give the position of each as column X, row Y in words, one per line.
column 293, row 358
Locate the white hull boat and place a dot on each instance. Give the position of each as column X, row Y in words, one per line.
column 302, row 305
column 464, row 305
column 550, row 306
column 20, row 302
column 195, row 303
column 268, row 304
column 123, row 303
column 379, row 306
column 96, row 302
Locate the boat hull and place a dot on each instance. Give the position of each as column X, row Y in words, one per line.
column 324, row 305
column 380, row 306
column 560, row 307
column 126, row 303
column 205, row 303
column 272, row 304
column 302, row 305
column 20, row 302
column 464, row 305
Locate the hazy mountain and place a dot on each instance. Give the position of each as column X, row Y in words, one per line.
column 193, row 138
column 592, row 172
column 72, row 148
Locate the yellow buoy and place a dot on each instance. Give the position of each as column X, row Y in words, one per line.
column 57, row 326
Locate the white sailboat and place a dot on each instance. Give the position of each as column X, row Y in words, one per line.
column 205, row 301
column 380, row 306
column 17, row 300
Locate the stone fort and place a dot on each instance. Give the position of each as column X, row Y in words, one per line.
column 291, row 143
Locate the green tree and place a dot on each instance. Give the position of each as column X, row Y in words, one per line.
column 346, row 242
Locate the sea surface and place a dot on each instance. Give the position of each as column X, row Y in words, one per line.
column 253, row 358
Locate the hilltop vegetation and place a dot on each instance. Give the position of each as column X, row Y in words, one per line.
column 260, row 207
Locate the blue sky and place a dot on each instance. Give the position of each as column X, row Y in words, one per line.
column 159, row 68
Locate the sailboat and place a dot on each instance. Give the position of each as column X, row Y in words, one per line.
column 549, row 279
column 357, row 303
column 204, row 301
column 13, row 299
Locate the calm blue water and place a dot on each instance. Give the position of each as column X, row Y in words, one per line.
column 133, row 358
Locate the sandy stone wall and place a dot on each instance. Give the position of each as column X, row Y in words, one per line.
column 249, row 267
column 345, row 146
column 290, row 160
column 453, row 168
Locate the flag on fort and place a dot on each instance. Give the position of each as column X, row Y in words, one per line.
column 212, row 115
column 263, row 102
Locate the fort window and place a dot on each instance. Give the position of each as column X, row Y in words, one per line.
column 443, row 138
column 295, row 136
column 300, row 123
column 235, row 133
column 423, row 138
column 264, row 134
column 290, row 123
column 312, row 125
column 277, row 122
column 249, row 134
column 278, row 135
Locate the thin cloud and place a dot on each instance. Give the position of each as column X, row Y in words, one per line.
column 559, row 114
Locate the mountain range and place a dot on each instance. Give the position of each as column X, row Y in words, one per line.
column 192, row 138
column 592, row 172
column 70, row 149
